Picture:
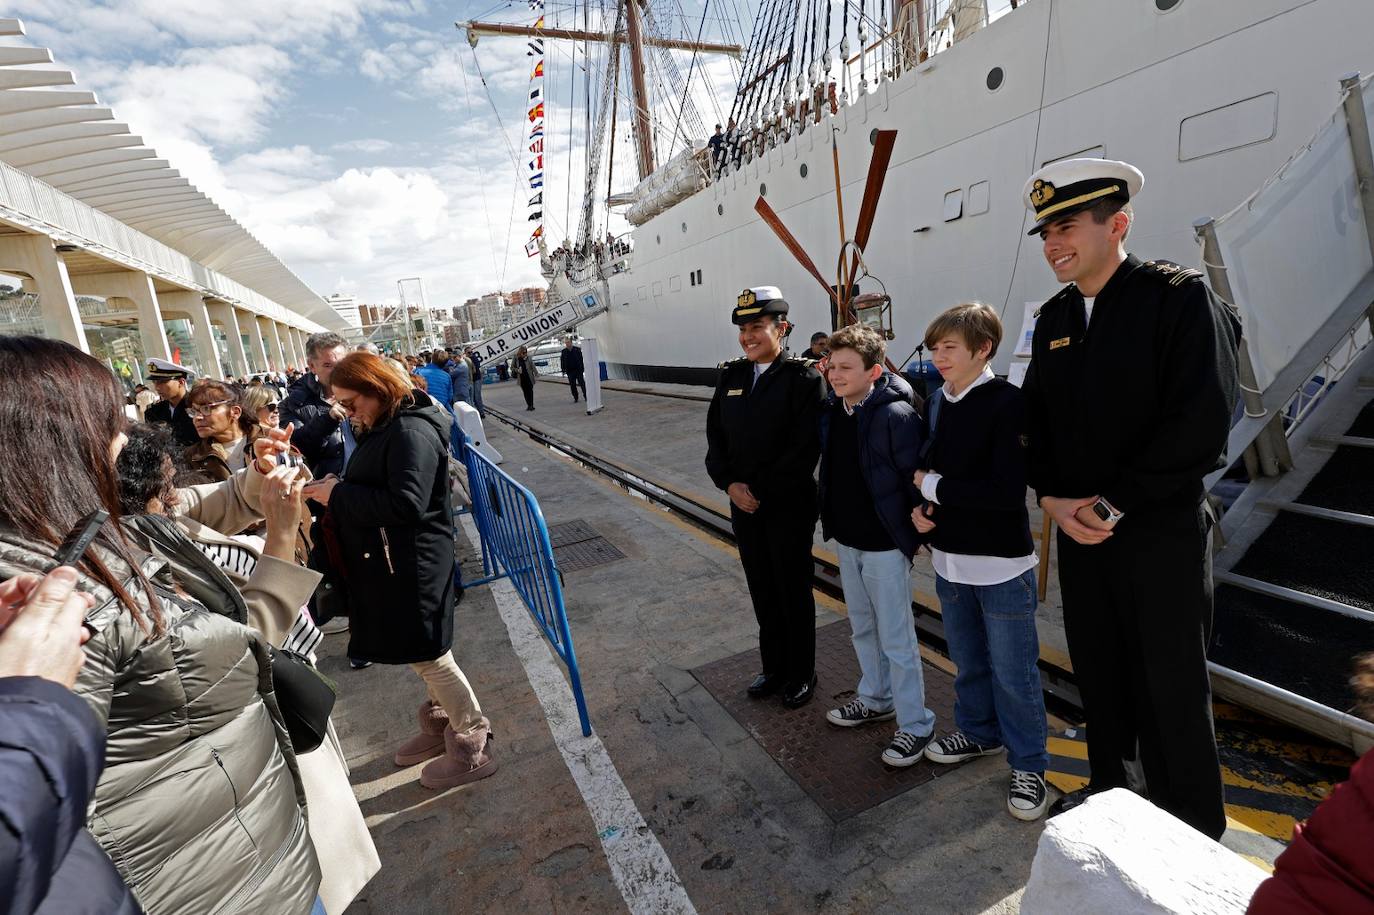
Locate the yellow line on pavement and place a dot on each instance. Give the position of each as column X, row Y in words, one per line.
column 1064, row 781
column 1260, row 863
column 1073, row 749
column 1263, row 822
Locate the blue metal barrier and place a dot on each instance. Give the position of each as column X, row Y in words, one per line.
column 516, row 545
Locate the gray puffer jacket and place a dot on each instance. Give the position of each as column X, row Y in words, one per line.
column 200, row 805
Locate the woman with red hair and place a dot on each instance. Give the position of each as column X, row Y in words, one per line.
column 389, row 527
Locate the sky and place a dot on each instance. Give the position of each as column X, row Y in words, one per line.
column 364, row 141
column 353, row 137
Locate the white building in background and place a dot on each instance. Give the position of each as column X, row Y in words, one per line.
column 346, row 306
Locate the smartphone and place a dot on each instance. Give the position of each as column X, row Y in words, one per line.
column 81, row 538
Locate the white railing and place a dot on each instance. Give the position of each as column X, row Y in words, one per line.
column 31, row 202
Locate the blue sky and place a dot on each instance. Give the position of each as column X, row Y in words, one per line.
column 352, row 136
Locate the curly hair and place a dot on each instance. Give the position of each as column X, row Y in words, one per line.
column 146, row 468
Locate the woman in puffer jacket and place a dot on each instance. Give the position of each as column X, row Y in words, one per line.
column 200, row 806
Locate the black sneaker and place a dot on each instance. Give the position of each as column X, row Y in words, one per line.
column 956, row 747
column 1027, row 797
column 856, row 713
column 905, row 749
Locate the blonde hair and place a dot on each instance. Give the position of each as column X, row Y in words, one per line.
column 972, row 322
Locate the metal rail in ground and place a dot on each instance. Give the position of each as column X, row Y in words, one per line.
column 1058, row 682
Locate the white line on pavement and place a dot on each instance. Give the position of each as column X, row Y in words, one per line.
column 639, row 865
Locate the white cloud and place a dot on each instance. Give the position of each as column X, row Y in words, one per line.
column 365, row 145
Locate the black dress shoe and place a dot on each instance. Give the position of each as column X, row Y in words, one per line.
column 764, row 685
column 1074, row 799
column 795, row 695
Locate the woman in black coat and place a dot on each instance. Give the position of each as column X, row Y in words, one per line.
column 389, row 526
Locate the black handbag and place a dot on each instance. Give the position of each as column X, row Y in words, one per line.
column 305, row 697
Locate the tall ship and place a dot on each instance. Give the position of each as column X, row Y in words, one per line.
column 1207, row 97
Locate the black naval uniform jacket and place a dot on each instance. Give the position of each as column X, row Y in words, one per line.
column 183, row 429
column 766, row 434
column 1134, row 406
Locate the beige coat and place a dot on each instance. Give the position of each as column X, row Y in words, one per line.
column 275, row 593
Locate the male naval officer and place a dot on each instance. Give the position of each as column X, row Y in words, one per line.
column 1129, row 398
column 169, row 380
column 762, row 447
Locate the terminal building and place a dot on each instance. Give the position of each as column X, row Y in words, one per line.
column 113, row 251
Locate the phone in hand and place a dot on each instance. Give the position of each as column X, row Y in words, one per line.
column 81, row 537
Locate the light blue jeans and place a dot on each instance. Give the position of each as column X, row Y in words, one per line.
column 877, row 591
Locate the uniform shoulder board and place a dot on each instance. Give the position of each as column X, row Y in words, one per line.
column 802, row 360
column 1059, row 296
column 1173, row 274
column 729, row 362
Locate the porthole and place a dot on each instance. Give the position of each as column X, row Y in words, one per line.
column 763, row 190
column 684, row 227
column 658, row 239
column 720, row 209
column 803, row 169
column 873, row 137
column 1165, row 5
column 995, row 77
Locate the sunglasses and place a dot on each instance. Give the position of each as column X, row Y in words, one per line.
column 270, row 407
column 203, row 410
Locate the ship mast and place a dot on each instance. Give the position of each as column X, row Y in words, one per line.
column 644, row 140
column 635, row 39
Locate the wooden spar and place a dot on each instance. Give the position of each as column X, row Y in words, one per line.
column 873, row 188
column 644, row 141
column 475, row 29
column 771, row 219
column 842, row 280
column 764, row 75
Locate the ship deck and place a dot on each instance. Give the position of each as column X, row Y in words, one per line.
column 755, row 807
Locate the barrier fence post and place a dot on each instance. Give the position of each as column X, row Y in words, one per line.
column 515, row 544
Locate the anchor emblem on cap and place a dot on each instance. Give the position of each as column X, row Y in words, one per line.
column 1042, row 192
column 746, row 299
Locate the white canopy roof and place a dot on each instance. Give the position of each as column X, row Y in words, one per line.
column 64, row 138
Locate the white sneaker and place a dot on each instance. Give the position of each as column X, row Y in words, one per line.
column 336, row 625
column 1027, row 796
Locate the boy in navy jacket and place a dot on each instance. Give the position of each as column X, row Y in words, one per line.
column 870, row 446
column 974, row 483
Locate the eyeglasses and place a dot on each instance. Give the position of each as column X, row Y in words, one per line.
column 203, row 410
column 270, row 407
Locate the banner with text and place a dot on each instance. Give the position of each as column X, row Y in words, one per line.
column 543, row 325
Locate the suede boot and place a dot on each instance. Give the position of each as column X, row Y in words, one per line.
column 467, row 757
column 429, row 743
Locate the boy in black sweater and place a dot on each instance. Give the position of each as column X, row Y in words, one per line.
column 979, row 534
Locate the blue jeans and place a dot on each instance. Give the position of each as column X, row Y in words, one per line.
column 877, row 591
column 992, row 639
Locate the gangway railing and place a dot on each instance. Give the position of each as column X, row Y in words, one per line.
column 515, row 544
column 1296, row 261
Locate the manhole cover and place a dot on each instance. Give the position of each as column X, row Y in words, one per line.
column 577, row 545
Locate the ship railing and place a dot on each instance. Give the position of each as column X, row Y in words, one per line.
column 515, row 544
column 1296, row 262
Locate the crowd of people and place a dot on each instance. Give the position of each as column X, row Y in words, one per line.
column 174, row 657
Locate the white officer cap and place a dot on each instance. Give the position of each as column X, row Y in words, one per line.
column 1071, row 185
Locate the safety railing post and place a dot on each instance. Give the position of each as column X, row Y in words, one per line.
column 1271, row 455
column 1357, row 125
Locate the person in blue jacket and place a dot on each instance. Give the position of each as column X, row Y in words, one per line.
column 52, row 751
column 871, row 438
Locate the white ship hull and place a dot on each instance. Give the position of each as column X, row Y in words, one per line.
column 1208, row 99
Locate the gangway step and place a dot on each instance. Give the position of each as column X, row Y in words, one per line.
column 1364, row 423
column 1330, row 559
column 1302, row 649
column 1345, row 483
column 1318, row 511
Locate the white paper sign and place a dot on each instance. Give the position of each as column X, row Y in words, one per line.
column 1016, row 373
column 1023, row 342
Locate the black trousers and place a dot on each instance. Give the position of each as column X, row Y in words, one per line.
column 775, row 550
column 576, row 381
column 1138, row 616
column 527, row 388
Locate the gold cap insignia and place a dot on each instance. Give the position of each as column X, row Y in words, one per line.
column 746, row 298
column 1042, row 192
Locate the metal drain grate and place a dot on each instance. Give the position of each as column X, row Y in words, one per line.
column 577, row 545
